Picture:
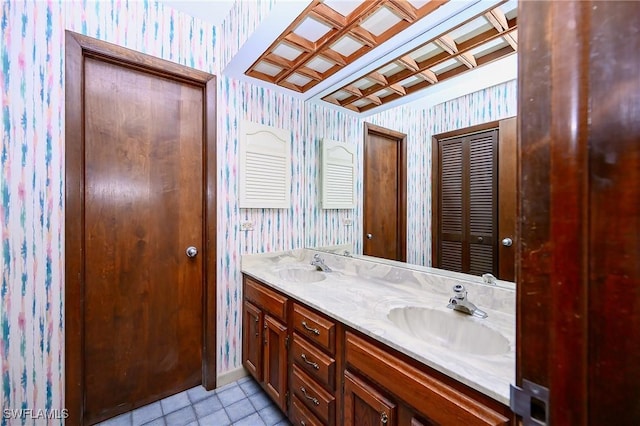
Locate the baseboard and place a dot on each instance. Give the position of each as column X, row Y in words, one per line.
column 231, row 376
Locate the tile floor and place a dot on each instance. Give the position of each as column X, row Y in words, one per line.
column 238, row 403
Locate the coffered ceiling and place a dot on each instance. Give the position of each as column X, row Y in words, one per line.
column 489, row 36
column 364, row 56
column 330, row 35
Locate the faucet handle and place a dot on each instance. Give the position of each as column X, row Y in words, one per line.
column 459, row 290
column 489, row 279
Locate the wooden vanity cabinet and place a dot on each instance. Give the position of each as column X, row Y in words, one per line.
column 264, row 342
column 313, row 377
column 321, row 372
column 420, row 396
column 365, row 404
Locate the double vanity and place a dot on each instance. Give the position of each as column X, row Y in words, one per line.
column 338, row 340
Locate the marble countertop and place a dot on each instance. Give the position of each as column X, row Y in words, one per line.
column 361, row 293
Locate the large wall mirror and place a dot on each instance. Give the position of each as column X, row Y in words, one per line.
column 464, row 103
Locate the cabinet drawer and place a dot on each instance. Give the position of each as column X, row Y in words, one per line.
column 436, row 399
column 314, row 397
column 265, row 298
column 316, row 328
column 301, row 416
column 318, row 365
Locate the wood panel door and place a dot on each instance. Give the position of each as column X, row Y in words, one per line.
column 578, row 292
column 365, row 405
column 252, row 332
column 385, row 194
column 466, row 206
column 275, row 360
column 142, row 204
column 507, row 197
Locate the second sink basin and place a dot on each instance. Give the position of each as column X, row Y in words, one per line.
column 449, row 329
column 301, row 274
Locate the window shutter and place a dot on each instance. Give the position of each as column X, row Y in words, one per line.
column 265, row 166
column 338, row 175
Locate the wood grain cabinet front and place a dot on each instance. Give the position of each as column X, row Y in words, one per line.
column 315, row 397
column 301, row 416
column 315, row 327
column 264, row 340
column 325, row 373
column 431, row 397
column 252, row 341
column 320, row 366
column 366, row 405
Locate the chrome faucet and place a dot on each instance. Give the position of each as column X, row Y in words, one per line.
column 318, row 262
column 459, row 302
column 489, row 279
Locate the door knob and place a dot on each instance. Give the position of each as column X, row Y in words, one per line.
column 369, row 236
column 192, row 251
column 507, row 242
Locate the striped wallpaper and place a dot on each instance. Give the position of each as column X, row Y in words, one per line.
column 274, row 229
column 32, row 160
column 326, row 228
column 241, row 22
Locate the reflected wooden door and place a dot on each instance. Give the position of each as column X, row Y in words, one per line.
column 143, row 207
column 385, row 199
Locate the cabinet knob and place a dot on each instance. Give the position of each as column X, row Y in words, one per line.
column 384, row 418
column 507, row 242
column 369, row 236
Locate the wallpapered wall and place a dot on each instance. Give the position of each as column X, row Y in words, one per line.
column 326, row 227
column 32, row 185
column 32, row 161
column 274, row 229
column 32, row 158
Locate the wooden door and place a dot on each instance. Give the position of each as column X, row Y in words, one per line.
column 252, row 339
column 465, row 184
column 385, row 199
column 578, row 291
column 140, row 204
column 365, row 405
column 507, row 198
column 275, row 360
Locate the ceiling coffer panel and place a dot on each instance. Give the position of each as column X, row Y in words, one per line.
column 330, row 34
column 489, row 36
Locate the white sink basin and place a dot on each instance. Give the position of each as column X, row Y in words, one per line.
column 302, row 274
column 449, row 329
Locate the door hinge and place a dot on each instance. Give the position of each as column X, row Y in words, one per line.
column 286, row 399
column 286, row 342
column 531, row 402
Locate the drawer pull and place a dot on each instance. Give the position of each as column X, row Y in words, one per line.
column 257, row 327
column 311, row 363
column 310, row 398
column 313, row 330
column 384, row 418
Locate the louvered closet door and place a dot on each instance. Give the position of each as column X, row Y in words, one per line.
column 482, row 211
column 468, row 203
column 451, row 206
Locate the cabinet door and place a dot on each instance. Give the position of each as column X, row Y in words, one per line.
column 365, row 405
column 275, row 360
column 252, row 324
